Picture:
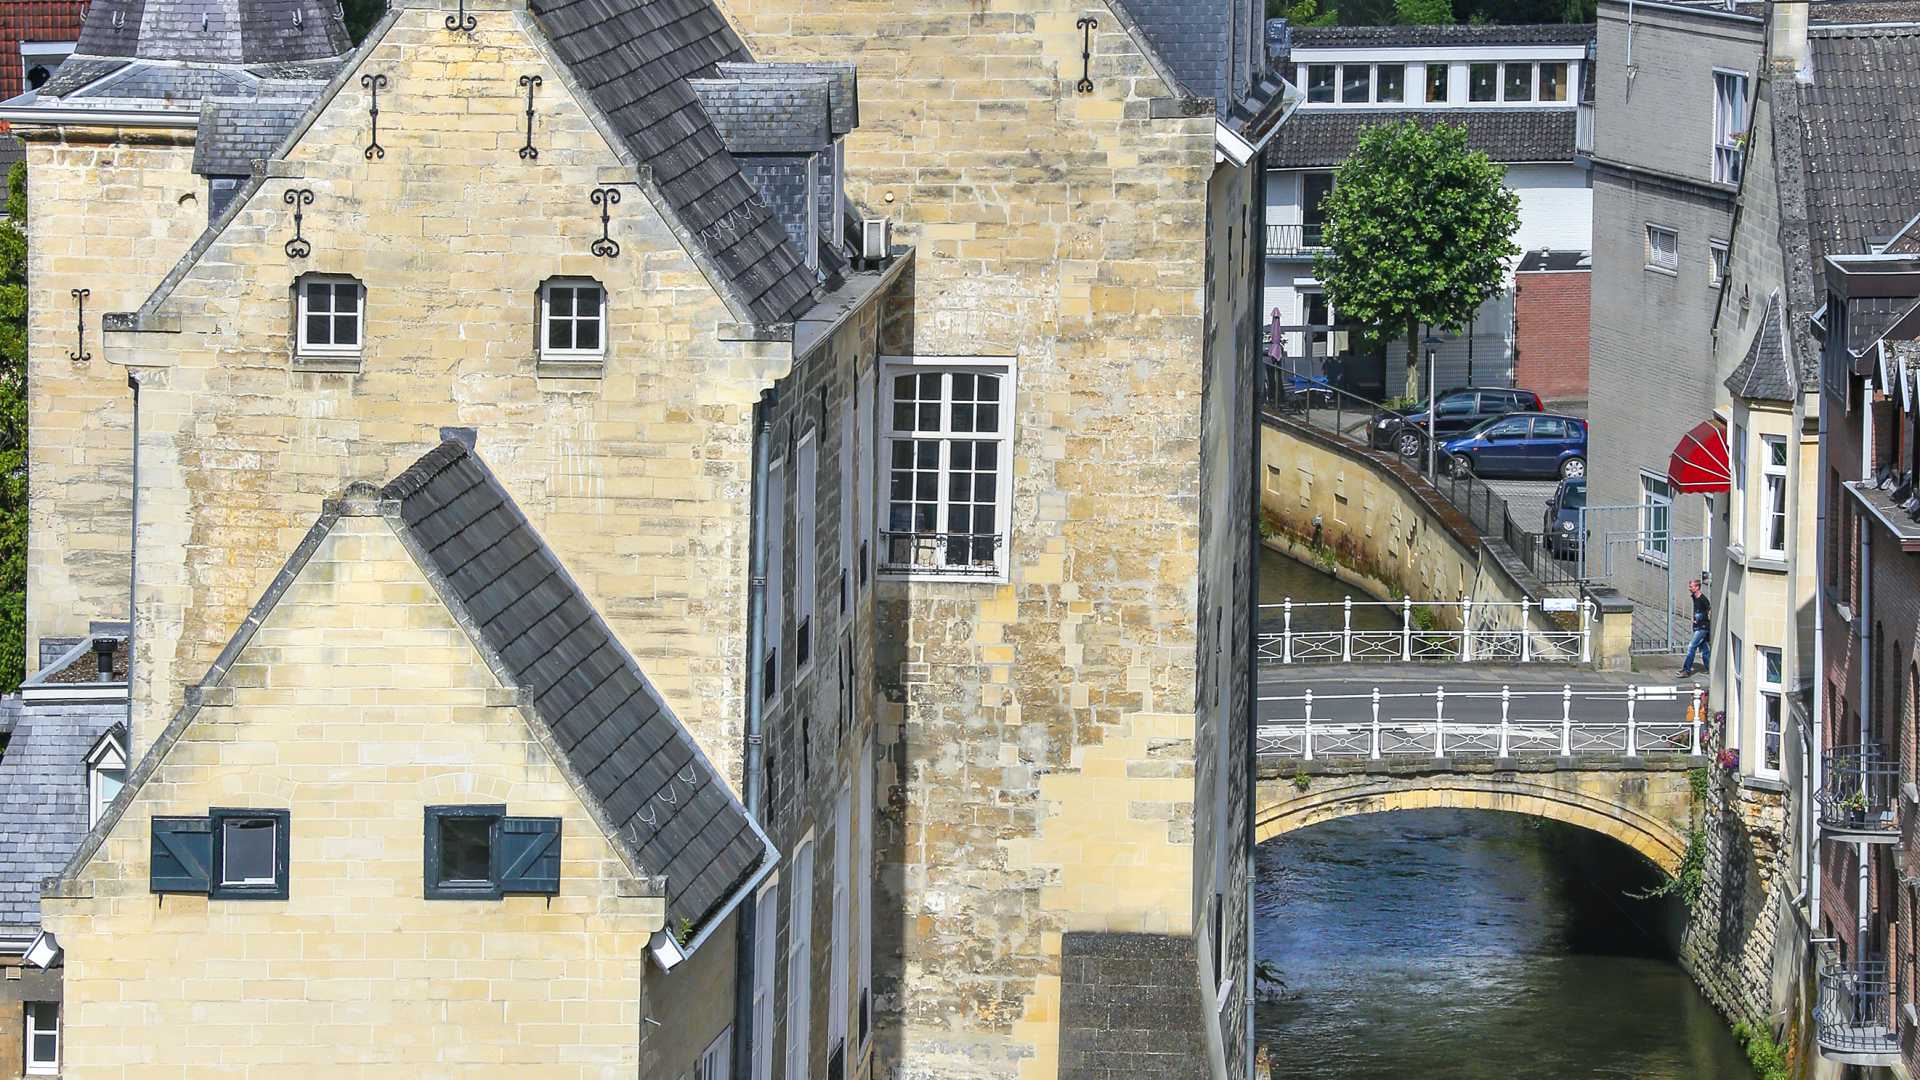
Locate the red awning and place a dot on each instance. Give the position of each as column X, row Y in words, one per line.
column 1699, row 464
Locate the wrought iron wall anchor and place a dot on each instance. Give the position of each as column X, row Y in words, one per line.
column 462, row 21
column 80, row 325
column 531, row 82
column 1087, row 25
column 605, row 198
column 299, row 247
column 374, row 84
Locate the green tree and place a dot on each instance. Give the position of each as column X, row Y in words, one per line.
column 13, row 433
column 1418, row 230
column 1423, row 12
column 1302, row 12
column 361, row 15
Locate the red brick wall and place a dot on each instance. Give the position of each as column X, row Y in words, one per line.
column 32, row 20
column 1550, row 333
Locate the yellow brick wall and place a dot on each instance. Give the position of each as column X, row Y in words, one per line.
column 1043, row 744
column 109, row 211
column 356, row 704
column 637, row 479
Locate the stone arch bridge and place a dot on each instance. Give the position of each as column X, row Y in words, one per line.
column 1606, row 753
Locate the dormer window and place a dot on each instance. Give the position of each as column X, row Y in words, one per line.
column 573, row 320
column 1481, row 81
column 332, row 311
column 1320, row 81
column 106, row 772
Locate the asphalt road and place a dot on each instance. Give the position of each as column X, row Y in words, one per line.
column 1343, row 694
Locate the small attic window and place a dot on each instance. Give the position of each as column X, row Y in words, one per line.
column 330, row 317
column 220, row 192
column 476, row 852
column 106, row 772
column 573, row 322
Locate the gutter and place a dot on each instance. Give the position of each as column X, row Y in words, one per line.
column 750, row 788
column 133, row 559
column 59, row 115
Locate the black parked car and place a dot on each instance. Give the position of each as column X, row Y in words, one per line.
column 1459, row 410
column 1560, row 525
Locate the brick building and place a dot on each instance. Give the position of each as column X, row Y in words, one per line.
column 1552, row 312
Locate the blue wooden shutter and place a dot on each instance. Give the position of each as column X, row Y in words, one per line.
column 529, row 855
column 181, row 855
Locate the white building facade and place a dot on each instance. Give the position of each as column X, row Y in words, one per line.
column 1516, row 89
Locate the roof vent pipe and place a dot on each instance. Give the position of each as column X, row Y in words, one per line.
column 103, row 649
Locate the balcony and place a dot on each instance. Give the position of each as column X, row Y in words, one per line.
column 1295, row 241
column 1858, row 796
column 1583, row 130
column 940, row 553
column 1854, row 1020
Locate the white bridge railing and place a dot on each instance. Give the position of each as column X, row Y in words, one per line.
column 1499, row 723
column 1485, row 631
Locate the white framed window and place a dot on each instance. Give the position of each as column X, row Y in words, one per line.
column 1656, row 518
column 1553, row 80
column 716, row 1061
column 332, row 316
column 842, row 899
column 766, row 950
column 1516, row 82
column 800, row 963
column 1736, row 658
column 43, row 1038
column 106, row 774
column 806, row 491
column 867, row 480
column 773, row 611
column 1663, row 249
column 573, row 319
column 1773, row 508
column 40, row 59
column 863, row 882
column 1729, row 125
column 1390, row 83
column 1738, row 445
column 948, row 446
column 1771, row 702
column 1716, row 264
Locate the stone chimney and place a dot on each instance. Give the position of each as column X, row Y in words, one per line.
column 1787, row 40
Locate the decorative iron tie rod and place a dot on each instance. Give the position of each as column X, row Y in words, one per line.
column 80, row 325
column 531, row 82
column 462, row 21
column 605, row 198
column 1087, row 25
column 299, row 247
column 373, row 85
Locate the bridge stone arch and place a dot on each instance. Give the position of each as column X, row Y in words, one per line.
column 1647, row 808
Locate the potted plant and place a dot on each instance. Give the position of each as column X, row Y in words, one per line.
column 1855, row 807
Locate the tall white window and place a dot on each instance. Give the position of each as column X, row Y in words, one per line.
column 332, row 311
column 863, row 881
column 1716, row 264
column 1656, row 518
column 1736, row 730
column 842, row 881
column 800, row 963
column 948, row 446
column 1772, row 700
column 1663, row 249
column 43, row 1038
column 774, row 609
column 806, row 488
column 1773, row 508
column 1739, row 497
column 573, row 319
column 106, row 774
column 867, row 482
column 766, row 952
column 1729, row 125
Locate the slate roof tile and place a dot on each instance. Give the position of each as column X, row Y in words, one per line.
column 763, row 116
column 1323, row 138
column 236, row 133
column 843, row 79
column 43, row 796
column 635, row 757
column 1861, row 118
column 1765, row 374
column 220, row 31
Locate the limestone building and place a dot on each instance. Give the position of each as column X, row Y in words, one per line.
column 939, row 552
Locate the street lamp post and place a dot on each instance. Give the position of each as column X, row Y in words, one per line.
column 1432, row 342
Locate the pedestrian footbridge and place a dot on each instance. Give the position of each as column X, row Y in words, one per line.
column 1604, row 752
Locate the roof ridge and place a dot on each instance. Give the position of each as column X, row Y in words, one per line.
column 432, row 464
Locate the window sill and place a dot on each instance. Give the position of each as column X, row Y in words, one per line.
column 1737, row 554
column 1769, row 562
column 342, row 363
column 1756, row 782
column 956, row 577
column 570, row 367
column 1661, row 270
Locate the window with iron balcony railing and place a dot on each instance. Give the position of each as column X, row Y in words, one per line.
column 1304, row 239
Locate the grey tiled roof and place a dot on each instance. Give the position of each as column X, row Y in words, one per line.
column 1309, row 37
column 235, row 133
column 633, row 58
column 661, row 795
column 845, row 85
column 782, row 182
column 170, row 82
column 1211, row 51
column 1907, row 240
column 43, row 796
column 1323, row 138
column 220, row 31
column 1766, row 373
column 77, row 71
column 761, row 116
column 1861, row 116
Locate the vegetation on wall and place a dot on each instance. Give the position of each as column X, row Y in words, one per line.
column 13, row 433
column 1769, row 1058
column 1419, row 230
column 1384, row 12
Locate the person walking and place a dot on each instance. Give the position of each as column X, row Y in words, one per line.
column 1702, row 631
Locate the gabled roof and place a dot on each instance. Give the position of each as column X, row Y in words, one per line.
column 1214, row 52
column 1345, row 37
column 844, row 84
column 1861, row 149
column 214, row 31
column 234, row 133
column 1323, row 138
column 640, row 774
column 1766, row 373
column 651, row 783
column 761, row 116
column 633, row 58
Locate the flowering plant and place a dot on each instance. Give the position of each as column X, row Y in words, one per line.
column 1728, row 759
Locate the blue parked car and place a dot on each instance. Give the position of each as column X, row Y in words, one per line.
column 1560, row 523
column 1522, row 444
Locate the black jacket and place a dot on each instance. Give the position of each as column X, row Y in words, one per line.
column 1702, row 619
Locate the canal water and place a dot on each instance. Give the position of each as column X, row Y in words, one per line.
column 1469, row 945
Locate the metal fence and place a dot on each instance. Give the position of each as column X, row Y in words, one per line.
column 1634, row 550
column 1630, row 721
column 1323, row 632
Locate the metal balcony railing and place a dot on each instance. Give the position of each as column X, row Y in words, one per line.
column 1859, row 792
column 1583, row 128
column 1854, row 1020
column 939, row 553
column 1285, row 240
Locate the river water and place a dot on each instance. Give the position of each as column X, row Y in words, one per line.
column 1469, row 945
